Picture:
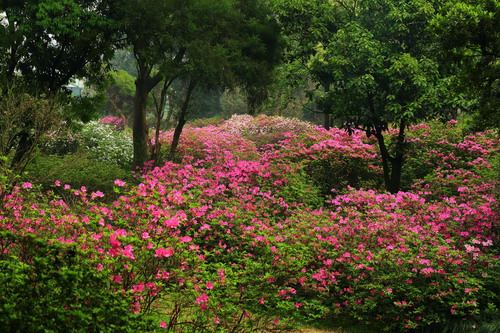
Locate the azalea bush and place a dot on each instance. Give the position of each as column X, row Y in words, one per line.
column 263, row 129
column 239, row 236
column 116, row 122
column 443, row 146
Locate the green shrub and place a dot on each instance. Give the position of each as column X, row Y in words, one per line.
column 76, row 170
column 50, row 287
column 340, row 174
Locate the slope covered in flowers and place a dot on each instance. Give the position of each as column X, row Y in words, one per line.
column 265, row 224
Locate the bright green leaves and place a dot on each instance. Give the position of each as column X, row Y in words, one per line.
column 412, row 83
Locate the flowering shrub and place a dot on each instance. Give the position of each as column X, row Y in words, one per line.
column 436, row 146
column 333, row 159
column 237, row 238
column 263, row 129
column 61, row 142
column 106, row 144
column 113, row 121
column 51, row 286
column 209, row 143
column 393, row 262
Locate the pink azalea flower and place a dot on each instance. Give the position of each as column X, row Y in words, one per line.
column 161, row 252
column 203, row 298
column 119, row 183
column 185, row 239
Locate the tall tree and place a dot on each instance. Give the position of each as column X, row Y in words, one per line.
column 306, row 24
column 468, row 32
column 377, row 70
column 205, row 42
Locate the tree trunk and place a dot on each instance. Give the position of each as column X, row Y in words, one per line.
column 143, row 85
column 170, row 111
column 392, row 166
column 397, row 162
column 182, row 120
column 140, row 129
column 326, row 120
column 24, row 146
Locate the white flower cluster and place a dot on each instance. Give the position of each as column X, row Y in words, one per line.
column 106, row 144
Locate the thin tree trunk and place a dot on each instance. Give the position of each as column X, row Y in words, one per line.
column 182, row 120
column 386, row 158
column 397, row 162
column 170, row 112
column 160, row 112
column 325, row 82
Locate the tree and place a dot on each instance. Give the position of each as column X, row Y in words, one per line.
column 306, row 24
column 377, row 70
column 468, row 32
column 45, row 44
column 241, row 50
column 207, row 43
column 120, row 95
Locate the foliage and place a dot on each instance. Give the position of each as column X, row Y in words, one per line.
column 375, row 64
column 45, row 44
column 475, row 50
column 52, row 286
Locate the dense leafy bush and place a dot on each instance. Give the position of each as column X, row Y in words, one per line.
column 76, row 170
column 54, row 287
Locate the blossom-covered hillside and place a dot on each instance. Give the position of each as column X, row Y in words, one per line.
column 264, row 224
